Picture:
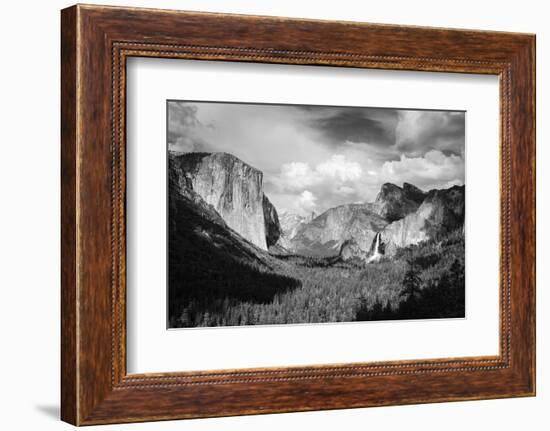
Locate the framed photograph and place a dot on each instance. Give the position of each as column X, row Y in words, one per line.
column 265, row 215
column 313, row 217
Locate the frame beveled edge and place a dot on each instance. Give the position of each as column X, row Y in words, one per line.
column 95, row 388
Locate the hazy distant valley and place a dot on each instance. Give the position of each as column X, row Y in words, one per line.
column 235, row 260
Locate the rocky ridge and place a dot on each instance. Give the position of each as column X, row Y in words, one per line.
column 393, row 202
column 402, row 216
column 441, row 212
column 399, row 216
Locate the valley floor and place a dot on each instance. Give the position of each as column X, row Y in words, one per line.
column 422, row 281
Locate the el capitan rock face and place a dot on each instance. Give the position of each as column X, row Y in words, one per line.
column 207, row 258
column 235, row 190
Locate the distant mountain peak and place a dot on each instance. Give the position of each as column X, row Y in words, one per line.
column 291, row 224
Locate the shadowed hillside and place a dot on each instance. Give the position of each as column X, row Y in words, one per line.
column 210, row 264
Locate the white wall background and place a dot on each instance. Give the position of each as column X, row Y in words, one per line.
column 29, row 215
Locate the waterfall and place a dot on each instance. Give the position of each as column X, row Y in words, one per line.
column 376, row 251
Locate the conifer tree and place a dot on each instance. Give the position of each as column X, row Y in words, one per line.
column 411, row 283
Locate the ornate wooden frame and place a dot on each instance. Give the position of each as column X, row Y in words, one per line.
column 95, row 43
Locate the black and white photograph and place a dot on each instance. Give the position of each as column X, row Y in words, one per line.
column 302, row 214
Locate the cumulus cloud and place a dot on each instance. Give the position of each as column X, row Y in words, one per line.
column 337, row 170
column 433, row 170
column 307, row 202
column 296, row 176
column 334, row 181
column 340, row 169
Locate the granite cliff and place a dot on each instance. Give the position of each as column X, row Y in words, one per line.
column 271, row 222
column 393, row 202
column 234, row 189
column 441, row 212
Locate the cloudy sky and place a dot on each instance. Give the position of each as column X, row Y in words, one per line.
column 315, row 157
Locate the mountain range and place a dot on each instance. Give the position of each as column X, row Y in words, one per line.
column 230, row 194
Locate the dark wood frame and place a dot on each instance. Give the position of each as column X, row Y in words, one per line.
column 95, row 43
